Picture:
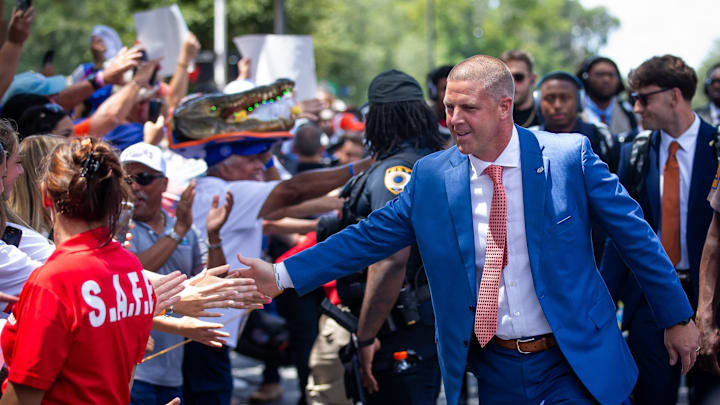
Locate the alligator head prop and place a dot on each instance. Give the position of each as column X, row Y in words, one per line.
column 264, row 113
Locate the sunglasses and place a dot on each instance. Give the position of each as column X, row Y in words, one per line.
column 518, row 77
column 711, row 82
column 643, row 97
column 144, row 178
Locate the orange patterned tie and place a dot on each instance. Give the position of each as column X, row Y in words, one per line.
column 486, row 312
column 670, row 222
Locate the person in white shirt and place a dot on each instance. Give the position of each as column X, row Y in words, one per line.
column 239, row 169
column 681, row 161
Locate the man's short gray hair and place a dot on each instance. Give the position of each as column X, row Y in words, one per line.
column 491, row 72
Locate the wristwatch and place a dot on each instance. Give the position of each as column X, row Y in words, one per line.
column 92, row 78
column 174, row 236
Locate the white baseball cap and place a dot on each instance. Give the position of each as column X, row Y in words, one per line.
column 144, row 153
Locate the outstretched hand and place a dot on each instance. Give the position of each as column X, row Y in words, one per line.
column 262, row 272
column 207, row 333
column 167, row 289
column 683, row 341
column 208, row 290
column 709, row 342
column 217, row 216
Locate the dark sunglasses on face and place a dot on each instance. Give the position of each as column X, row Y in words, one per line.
column 643, row 97
column 145, row 178
column 518, row 77
column 711, row 82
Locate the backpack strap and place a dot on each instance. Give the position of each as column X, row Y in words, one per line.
column 639, row 152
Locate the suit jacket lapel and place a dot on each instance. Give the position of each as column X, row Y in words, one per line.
column 703, row 172
column 652, row 183
column 457, row 187
column 535, row 169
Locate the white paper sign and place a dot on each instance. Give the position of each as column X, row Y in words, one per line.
column 281, row 56
column 162, row 32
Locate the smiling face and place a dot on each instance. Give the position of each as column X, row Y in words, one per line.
column 657, row 113
column 147, row 198
column 474, row 118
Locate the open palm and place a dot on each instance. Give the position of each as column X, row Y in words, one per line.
column 218, row 215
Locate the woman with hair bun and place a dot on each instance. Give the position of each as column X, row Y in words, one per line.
column 83, row 318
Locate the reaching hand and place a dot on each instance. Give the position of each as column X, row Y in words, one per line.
column 19, row 26
column 683, row 340
column 8, row 298
column 217, row 216
column 144, row 72
column 203, row 332
column 189, row 50
column 365, row 356
column 244, row 69
column 167, row 289
column 207, row 290
column 183, row 211
column 709, row 342
column 153, row 131
column 125, row 60
column 262, row 272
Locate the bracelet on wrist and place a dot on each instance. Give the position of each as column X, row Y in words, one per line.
column 92, row 79
column 215, row 245
column 270, row 163
column 365, row 343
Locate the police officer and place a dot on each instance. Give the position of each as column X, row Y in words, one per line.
column 396, row 324
column 560, row 104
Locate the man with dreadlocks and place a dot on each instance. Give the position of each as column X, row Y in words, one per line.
column 392, row 298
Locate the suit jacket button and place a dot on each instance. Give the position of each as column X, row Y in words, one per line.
column 472, row 308
column 465, row 342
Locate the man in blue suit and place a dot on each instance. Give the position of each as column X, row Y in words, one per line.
column 508, row 255
column 681, row 159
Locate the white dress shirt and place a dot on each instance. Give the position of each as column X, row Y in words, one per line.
column 519, row 311
column 714, row 114
column 685, row 156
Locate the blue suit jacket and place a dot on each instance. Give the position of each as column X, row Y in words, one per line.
column 564, row 184
column 699, row 215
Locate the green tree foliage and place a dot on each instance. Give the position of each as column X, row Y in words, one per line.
column 354, row 40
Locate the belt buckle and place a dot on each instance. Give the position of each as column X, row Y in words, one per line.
column 518, row 341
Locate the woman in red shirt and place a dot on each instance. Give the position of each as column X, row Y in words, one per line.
column 83, row 319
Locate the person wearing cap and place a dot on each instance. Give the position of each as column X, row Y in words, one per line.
column 241, row 168
column 602, row 103
column 164, row 244
column 400, row 129
column 560, row 98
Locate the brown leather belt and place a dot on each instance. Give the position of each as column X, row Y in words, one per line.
column 526, row 346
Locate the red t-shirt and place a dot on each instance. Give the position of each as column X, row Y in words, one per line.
column 81, row 323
